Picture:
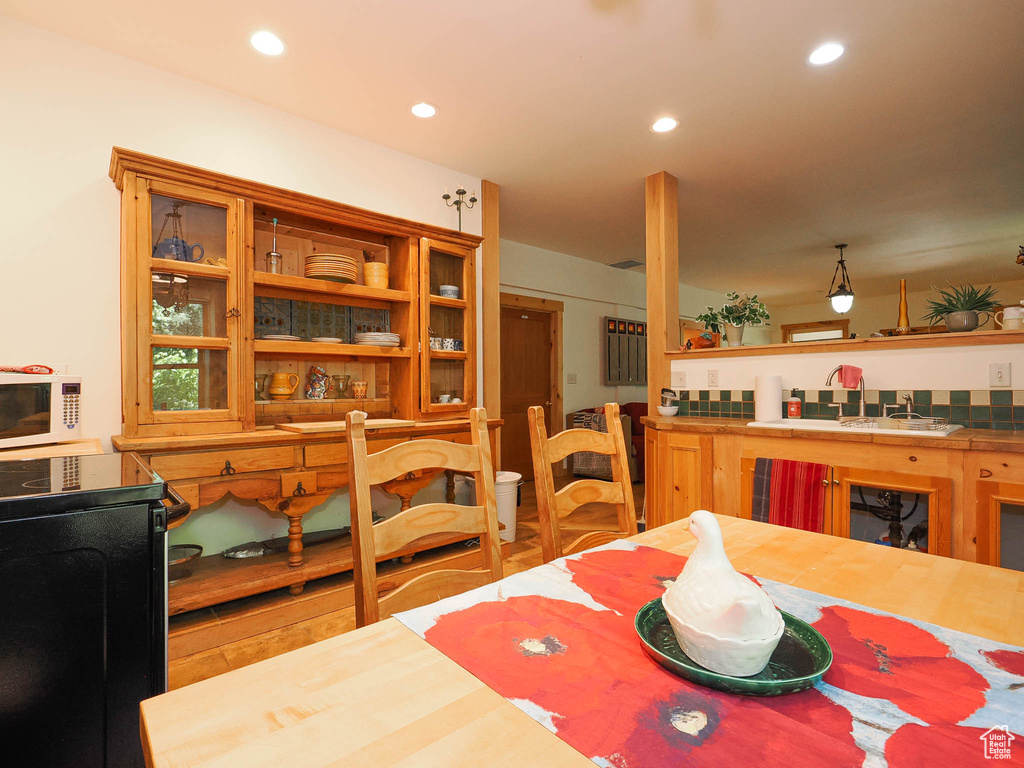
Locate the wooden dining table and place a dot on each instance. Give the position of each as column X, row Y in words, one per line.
column 381, row 695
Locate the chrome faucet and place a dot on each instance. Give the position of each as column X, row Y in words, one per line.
column 862, row 410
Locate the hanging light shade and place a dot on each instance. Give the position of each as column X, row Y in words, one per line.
column 841, row 298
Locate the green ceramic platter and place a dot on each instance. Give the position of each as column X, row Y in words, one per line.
column 800, row 660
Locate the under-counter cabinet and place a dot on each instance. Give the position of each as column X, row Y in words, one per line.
column 995, row 488
column 247, row 309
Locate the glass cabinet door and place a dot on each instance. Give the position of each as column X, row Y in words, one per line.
column 189, row 307
column 448, row 329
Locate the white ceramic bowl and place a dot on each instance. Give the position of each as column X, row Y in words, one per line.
column 668, row 410
column 450, row 291
column 739, row 658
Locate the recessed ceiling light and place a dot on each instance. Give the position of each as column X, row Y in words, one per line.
column 267, row 43
column 423, row 109
column 664, row 124
column 825, row 54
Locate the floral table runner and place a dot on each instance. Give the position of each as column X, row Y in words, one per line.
column 558, row 642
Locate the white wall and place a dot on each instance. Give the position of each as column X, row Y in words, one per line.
column 949, row 368
column 591, row 292
column 65, row 105
column 871, row 313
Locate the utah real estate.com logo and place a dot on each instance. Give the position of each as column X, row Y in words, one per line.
column 997, row 742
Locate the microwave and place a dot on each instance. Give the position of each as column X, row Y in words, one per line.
column 37, row 409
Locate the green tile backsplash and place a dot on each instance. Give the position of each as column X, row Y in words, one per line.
column 979, row 409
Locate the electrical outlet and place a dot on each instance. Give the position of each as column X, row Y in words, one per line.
column 712, row 378
column 570, row 378
column 677, row 380
column 999, row 374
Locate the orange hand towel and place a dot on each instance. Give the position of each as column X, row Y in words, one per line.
column 849, row 376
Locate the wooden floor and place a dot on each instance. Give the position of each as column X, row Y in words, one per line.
column 215, row 640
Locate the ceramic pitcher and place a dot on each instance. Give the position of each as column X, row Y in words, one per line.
column 282, row 385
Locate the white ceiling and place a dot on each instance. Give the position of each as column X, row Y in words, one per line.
column 910, row 147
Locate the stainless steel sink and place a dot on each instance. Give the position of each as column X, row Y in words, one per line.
column 888, row 426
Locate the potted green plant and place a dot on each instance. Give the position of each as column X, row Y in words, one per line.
column 959, row 306
column 742, row 311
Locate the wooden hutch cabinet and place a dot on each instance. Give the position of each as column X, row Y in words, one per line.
column 238, row 365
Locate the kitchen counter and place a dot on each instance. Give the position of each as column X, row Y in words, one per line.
column 963, row 440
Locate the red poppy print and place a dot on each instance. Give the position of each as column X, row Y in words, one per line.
column 608, row 699
column 920, row 746
column 886, row 658
column 1008, row 661
column 624, row 580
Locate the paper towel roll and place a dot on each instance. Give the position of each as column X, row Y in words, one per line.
column 767, row 398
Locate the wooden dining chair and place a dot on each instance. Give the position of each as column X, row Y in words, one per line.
column 372, row 543
column 554, row 507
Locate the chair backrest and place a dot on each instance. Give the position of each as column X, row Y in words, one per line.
column 371, row 543
column 553, row 507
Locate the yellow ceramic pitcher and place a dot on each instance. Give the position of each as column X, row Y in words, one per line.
column 282, row 385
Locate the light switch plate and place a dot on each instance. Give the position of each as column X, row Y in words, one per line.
column 570, row 378
column 678, row 380
column 999, row 374
column 712, row 378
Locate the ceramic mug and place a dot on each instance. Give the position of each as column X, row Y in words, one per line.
column 1011, row 318
column 450, row 291
column 436, row 343
column 448, row 344
column 456, row 400
column 359, row 390
column 444, row 399
column 282, row 385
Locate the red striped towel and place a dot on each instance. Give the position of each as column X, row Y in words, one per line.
column 797, row 497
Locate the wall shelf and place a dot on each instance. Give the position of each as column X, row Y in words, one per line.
column 441, row 301
column 266, row 284
column 921, row 341
column 311, row 349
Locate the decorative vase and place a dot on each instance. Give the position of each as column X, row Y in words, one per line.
column 903, row 324
column 282, row 385
column 359, row 390
column 735, row 335
column 958, row 322
column 318, row 383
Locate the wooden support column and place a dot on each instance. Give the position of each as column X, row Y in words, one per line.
column 662, row 199
column 490, row 299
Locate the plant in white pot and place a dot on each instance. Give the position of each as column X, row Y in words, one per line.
column 959, row 306
column 742, row 311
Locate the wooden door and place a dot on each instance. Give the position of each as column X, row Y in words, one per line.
column 447, row 327
column 526, row 344
column 188, row 309
column 684, row 470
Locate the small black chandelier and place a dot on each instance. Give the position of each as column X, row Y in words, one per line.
column 841, row 298
column 461, row 192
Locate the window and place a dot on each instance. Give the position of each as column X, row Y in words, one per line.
column 822, row 330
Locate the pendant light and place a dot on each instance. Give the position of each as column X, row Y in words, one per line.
column 841, row 298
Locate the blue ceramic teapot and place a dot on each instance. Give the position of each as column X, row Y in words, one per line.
column 177, row 249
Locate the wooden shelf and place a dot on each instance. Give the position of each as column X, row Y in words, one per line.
column 441, row 301
column 267, row 284
column 194, row 268
column 326, row 400
column 310, row 349
column 920, row 341
column 216, row 579
column 447, row 354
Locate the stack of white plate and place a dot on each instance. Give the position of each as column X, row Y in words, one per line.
column 332, row 266
column 282, row 337
column 378, row 339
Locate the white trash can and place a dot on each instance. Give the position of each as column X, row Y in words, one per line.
column 506, row 492
column 506, row 489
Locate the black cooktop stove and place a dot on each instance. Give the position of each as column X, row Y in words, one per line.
column 67, row 483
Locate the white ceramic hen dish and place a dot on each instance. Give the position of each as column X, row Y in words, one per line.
column 721, row 619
